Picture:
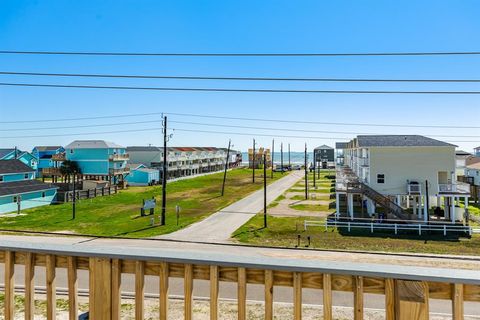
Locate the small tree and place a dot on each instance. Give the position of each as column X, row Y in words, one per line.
column 69, row 168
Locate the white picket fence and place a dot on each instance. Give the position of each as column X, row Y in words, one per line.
column 396, row 227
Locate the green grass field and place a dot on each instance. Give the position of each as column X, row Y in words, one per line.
column 119, row 215
column 283, row 232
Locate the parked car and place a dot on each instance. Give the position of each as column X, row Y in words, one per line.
column 296, row 167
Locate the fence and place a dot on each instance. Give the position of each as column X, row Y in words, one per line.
column 395, row 227
column 89, row 193
column 406, row 289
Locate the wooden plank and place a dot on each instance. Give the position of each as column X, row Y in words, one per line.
column 457, row 301
column 389, row 299
column 242, row 294
column 164, row 291
column 139, row 290
column 72, row 288
column 327, row 297
column 29, row 285
column 411, row 300
column 358, row 298
column 116, row 288
column 100, row 298
column 51, row 287
column 9, row 285
column 297, row 296
column 268, row 295
column 214, row 292
column 188, row 292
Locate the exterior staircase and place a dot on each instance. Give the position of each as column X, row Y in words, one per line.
column 383, row 201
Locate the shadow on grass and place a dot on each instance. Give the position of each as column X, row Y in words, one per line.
column 135, row 231
column 248, row 231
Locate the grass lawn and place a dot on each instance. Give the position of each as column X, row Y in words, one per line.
column 119, row 215
column 284, row 231
column 312, row 207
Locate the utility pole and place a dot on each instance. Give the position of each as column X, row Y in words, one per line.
column 314, row 169
column 306, row 173
column 427, row 200
column 281, row 156
column 226, row 167
column 164, row 175
column 74, row 199
column 253, row 162
column 273, row 155
column 265, row 190
column 289, row 163
column 19, row 205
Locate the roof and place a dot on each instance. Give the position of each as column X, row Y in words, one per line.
column 5, row 151
column 324, row 146
column 13, row 166
column 144, row 148
column 399, row 141
column 133, row 166
column 92, row 144
column 147, row 170
column 462, row 153
column 341, row 145
column 475, row 166
column 17, row 187
column 47, row 148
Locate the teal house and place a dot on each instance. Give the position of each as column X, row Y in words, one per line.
column 20, row 190
column 140, row 175
column 44, row 155
column 99, row 159
column 24, row 156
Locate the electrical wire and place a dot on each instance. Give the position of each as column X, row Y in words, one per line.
column 83, row 126
column 70, row 86
column 84, row 75
column 244, row 54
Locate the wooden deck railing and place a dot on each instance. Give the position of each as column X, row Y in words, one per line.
column 407, row 290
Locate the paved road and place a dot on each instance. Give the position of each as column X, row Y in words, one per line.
column 219, row 226
column 255, row 292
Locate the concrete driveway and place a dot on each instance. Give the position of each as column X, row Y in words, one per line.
column 219, row 226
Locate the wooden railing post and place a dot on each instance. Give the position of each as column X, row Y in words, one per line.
column 72, row 288
column 242, row 293
column 100, row 298
column 411, row 300
column 358, row 298
column 163, row 291
column 188, row 292
column 457, row 301
column 297, row 295
column 214, row 292
column 139, row 289
column 327, row 297
column 29, row 285
column 51, row 287
column 116, row 288
column 389, row 299
column 268, row 294
column 9, row 285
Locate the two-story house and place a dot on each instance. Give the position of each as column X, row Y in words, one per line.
column 24, row 156
column 19, row 189
column 99, row 159
column 404, row 174
column 47, row 157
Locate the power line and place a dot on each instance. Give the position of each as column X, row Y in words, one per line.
column 90, row 75
column 245, row 54
column 78, row 133
column 301, row 130
column 83, row 126
column 321, row 123
column 237, row 90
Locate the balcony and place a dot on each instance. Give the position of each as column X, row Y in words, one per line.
column 119, row 157
column 414, row 188
column 59, row 157
column 51, row 172
column 114, row 171
column 363, row 161
column 406, row 290
column 454, row 188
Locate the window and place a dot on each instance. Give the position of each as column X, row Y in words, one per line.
column 26, row 176
column 1, row 178
column 43, row 194
column 71, row 150
column 380, row 178
column 15, row 199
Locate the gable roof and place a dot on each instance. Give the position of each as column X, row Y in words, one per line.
column 47, row 148
column 13, row 166
column 399, row 141
column 462, row 153
column 323, row 146
column 18, row 187
column 6, row 151
column 134, row 166
column 144, row 148
column 92, row 144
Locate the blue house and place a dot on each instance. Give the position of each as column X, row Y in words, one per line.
column 44, row 155
column 140, row 175
column 24, row 156
column 99, row 159
column 20, row 190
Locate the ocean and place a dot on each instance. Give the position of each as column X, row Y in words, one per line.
column 295, row 157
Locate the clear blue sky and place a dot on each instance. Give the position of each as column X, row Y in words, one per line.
column 238, row 26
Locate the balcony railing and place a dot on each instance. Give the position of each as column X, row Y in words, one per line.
column 59, row 157
column 114, row 171
column 414, row 188
column 119, row 157
column 406, row 290
column 363, row 161
column 455, row 188
column 51, row 172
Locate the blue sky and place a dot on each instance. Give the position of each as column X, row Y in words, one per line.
column 238, row 26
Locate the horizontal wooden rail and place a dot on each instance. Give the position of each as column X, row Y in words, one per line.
column 406, row 289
